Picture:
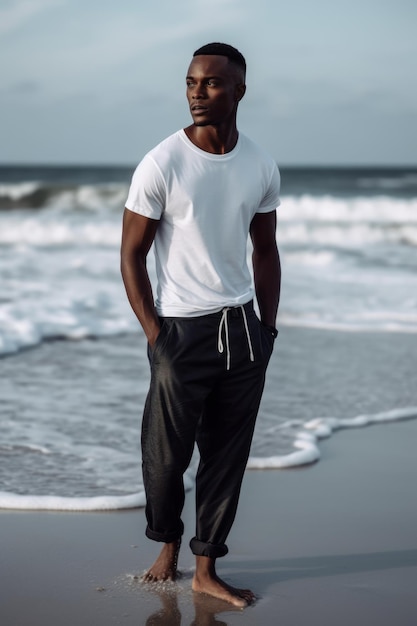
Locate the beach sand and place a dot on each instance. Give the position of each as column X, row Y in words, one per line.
column 332, row 543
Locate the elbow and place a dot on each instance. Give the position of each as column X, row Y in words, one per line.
column 126, row 260
column 130, row 260
column 123, row 261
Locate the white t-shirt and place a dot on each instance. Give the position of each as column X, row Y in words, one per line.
column 205, row 203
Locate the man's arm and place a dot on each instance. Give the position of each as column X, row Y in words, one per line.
column 266, row 265
column 137, row 237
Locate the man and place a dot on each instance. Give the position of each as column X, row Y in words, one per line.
column 198, row 195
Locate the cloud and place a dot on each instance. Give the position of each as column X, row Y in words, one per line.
column 20, row 11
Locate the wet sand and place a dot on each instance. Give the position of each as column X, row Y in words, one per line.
column 333, row 543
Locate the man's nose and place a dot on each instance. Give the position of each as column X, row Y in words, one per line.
column 199, row 92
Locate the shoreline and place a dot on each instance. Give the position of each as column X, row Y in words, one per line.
column 332, row 542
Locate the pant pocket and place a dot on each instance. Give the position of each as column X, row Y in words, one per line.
column 160, row 341
column 267, row 340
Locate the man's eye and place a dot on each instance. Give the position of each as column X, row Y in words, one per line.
column 211, row 83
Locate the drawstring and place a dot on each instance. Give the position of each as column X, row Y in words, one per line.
column 252, row 358
column 224, row 324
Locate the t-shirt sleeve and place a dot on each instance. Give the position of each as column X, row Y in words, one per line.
column 147, row 191
column 271, row 200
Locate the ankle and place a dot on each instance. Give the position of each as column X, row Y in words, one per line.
column 205, row 567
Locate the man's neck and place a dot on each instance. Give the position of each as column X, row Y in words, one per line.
column 213, row 139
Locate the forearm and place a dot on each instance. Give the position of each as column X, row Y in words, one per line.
column 267, row 279
column 139, row 292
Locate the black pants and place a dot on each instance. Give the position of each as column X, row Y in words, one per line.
column 207, row 393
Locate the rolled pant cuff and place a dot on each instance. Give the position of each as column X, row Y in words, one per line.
column 164, row 537
column 212, row 550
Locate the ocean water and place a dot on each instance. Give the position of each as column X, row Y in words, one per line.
column 73, row 368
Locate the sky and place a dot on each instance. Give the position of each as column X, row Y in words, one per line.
column 99, row 81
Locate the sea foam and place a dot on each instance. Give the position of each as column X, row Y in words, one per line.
column 57, row 503
column 307, row 438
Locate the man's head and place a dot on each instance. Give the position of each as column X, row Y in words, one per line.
column 223, row 49
column 215, row 84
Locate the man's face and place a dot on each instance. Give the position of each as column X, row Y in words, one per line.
column 214, row 88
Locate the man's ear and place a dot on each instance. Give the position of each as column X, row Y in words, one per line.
column 240, row 91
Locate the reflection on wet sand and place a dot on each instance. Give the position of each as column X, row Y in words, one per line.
column 205, row 609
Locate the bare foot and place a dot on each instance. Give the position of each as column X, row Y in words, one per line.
column 165, row 566
column 206, row 581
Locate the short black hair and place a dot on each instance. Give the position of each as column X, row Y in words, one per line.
column 223, row 49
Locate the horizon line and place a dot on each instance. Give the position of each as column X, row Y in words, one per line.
column 63, row 164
